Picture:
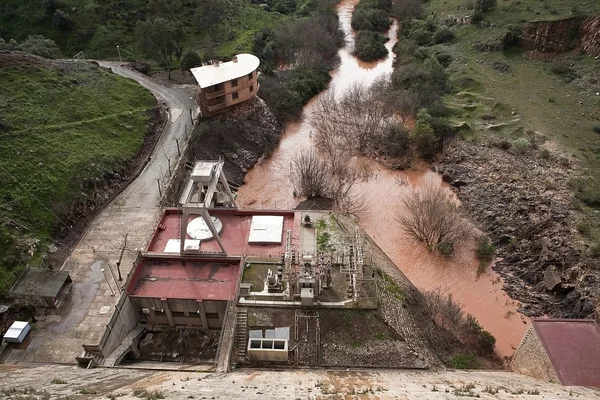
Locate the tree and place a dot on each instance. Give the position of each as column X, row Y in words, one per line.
column 189, row 60
column 408, row 9
column 370, row 46
column 157, row 39
column 431, row 215
column 62, row 21
column 38, row 45
column 210, row 13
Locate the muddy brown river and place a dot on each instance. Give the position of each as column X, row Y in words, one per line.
column 268, row 187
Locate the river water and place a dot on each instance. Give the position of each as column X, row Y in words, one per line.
column 267, row 186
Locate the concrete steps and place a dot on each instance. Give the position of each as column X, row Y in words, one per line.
column 117, row 355
column 241, row 333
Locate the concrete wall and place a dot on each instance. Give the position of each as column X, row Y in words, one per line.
column 531, row 359
column 123, row 321
column 208, row 314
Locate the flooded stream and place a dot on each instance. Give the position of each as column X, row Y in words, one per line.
column 268, row 187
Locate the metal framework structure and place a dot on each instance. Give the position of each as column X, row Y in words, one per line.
column 198, row 197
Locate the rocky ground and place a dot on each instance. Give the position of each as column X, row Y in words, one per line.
column 241, row 135
column 523, row 201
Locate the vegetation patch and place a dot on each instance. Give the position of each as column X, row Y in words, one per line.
column 370, row 46
column 65, row 130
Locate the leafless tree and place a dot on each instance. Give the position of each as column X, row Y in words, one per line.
column 357, row 123
column 431, row 215
column 314, row 176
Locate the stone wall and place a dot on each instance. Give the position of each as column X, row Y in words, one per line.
column 531, row 359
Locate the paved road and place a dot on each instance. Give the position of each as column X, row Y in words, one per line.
column 82, row 318
column 143, row 192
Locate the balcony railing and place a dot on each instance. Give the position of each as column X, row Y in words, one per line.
column 216, row 107
column 212, row 95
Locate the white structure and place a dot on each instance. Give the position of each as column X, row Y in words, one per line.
column 17, row 332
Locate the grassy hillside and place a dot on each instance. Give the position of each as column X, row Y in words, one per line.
column 545, row 100
column 98, row 26
column 63, row 127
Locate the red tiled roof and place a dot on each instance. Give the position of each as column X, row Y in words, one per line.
column 573, row 346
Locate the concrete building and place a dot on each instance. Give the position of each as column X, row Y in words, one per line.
column 42, row 287
column 224, row 84
column 565, row 351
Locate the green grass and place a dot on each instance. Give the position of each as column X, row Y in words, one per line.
column 99, row 26
column 61, row 133
column 256, row 274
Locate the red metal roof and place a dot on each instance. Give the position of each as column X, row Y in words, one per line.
column 180, row 279
column 573, row 346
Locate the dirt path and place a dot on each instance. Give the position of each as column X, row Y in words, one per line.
column 82, row 318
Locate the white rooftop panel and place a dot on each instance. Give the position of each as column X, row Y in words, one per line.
column 210, row 75
column 172, row 245
column 266, row 229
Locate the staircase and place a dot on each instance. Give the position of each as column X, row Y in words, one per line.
column 89, row 360
column 241, row 333
column 117, row 355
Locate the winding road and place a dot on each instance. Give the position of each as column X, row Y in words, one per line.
column 143, row 191
column 82, row 318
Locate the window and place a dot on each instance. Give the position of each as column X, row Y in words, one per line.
column 218, row 87
column 234, row 96
column 212, row 315
column 233, row 82
column 250, row 75
column 252, row 88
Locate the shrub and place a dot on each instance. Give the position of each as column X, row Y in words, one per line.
column 485, row 249
column 397, row 141
column 521, row 145
column 477, row 18
column 463, row 361
column 584, row 228
column 422, row 37
column 561, row 69
column 370, row 19
column 424, row 138
column 190, row 59
column 445, row 59
column 38, row 45
column 370, row 46
column 485, row 5
column 62, row 21
column 443, row 35
column 50, row 6
column 596, row 128
column 446, row 248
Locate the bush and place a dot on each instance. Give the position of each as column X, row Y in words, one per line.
column 370, row 19
column 62, row 21
column 443, row 35
column 424, row 139
column 485, row 5
column 38, row 45
column 422, row 37
column 50, row 6
column 521, row 145
column 485, row 249
column 397, row 141
column 463, row 361
column 190, row 59
column 370, row 46
column 445, row 59
column 446, row 248
column 596, row 128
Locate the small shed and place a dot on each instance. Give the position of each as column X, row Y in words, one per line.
column 17, row 332
column 42, row 287
column 565, row 351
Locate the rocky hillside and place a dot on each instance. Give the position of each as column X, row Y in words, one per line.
column 524, row 202
column 241, row 135
column 564, row 35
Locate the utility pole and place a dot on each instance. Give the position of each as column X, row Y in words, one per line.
column 121, row 257
column 119, row 51
column 107, row 282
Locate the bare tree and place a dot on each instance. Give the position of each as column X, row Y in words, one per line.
column 431, row 215
column 323, row 177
